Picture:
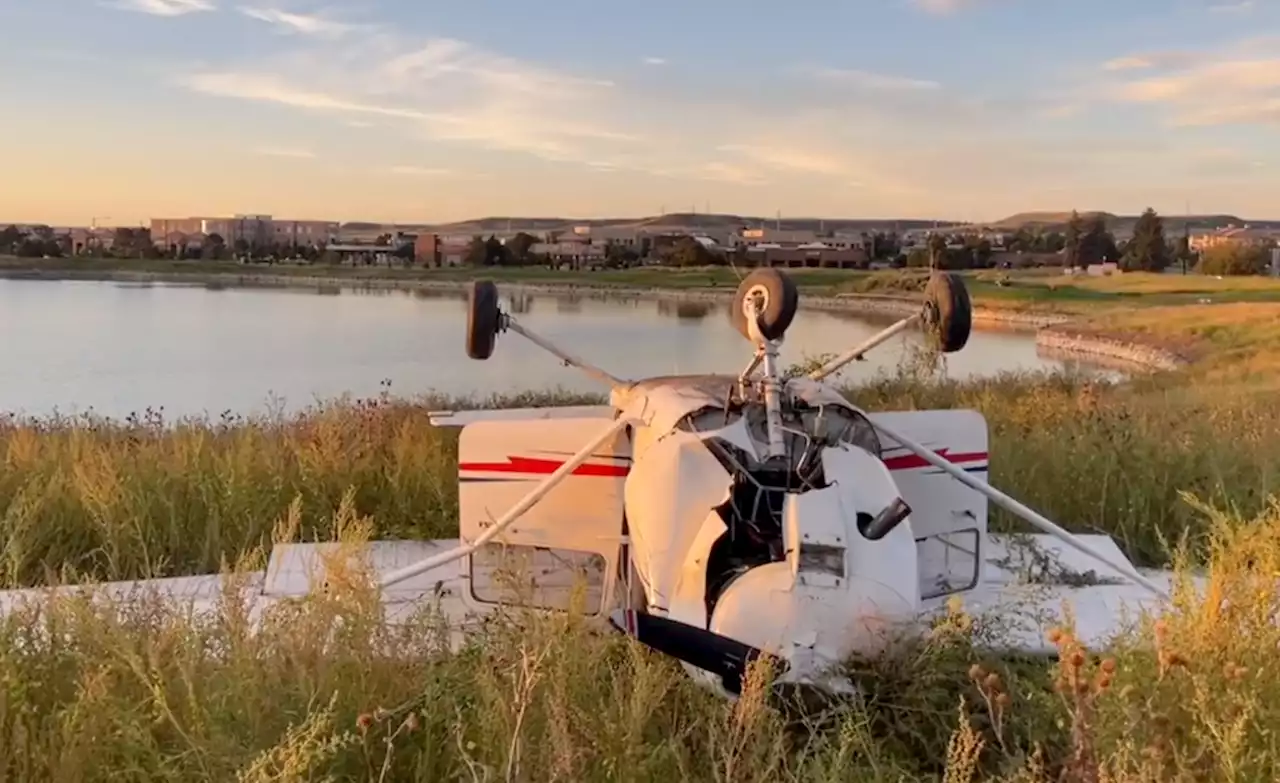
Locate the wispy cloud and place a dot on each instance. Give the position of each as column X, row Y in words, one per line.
column 783, row 157
column 1240, row 7
column 419, row 171
column 870, row 80
column 162, row 7
column 1129, row 63
column 946, row 7
column 285, row 152
column 303, row 24
column 1232, row 87
column 884, row 144
column 444, row 89
column 655, row 61
column 719, row 171
column 1152, row 61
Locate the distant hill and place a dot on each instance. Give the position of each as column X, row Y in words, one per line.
column 679, row 221
column 1045, row 221
column 1057, row 221
column 691, row 221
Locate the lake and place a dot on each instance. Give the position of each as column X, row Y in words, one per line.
column 117, row 348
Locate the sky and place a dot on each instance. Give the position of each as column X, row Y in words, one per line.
column 117, row 111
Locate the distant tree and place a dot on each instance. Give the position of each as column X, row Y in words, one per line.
column 982, row 253
column 1235, row 259
column 1147, row 251
column 10, row 237
column 617, row 254
column 1185, row 256
column 687, row 252
column 1051, row 242
column 1072, row 240
column 1097, row 245
column 884, row 245
column 519, row 247
column 214, row 248
column 937, row 251
column 495, row 253
column 476, row 252
column 132, row 243
column 1022, row 241
column 917, row 259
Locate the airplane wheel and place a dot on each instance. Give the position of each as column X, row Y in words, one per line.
column 948, row 313
column 482, row 319
column 780, row 297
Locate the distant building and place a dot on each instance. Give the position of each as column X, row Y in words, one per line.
column 453, row 249
column 79, row 241
column 305, row 232
column 751, row 237
column 813, row 255
column 850, row 243
column 253, row 230
column 574, row 249
column 1257, row 237
column 426, row 249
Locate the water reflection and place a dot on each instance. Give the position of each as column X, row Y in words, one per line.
column 196, row 348
column 685, row 309
column 520, row 304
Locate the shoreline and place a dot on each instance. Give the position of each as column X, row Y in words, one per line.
column 1053, row 331
column 1064, row 339
column 870, row 304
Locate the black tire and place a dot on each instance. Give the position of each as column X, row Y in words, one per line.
column 781, row 301
column 482, row 319
column 948, row 313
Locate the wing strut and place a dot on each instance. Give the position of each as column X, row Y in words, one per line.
column 1014, row 507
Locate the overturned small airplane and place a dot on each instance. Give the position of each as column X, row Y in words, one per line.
column 725, row 518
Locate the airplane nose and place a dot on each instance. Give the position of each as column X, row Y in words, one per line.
column 807, row 625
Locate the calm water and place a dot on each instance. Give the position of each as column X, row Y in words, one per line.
column 118, row 348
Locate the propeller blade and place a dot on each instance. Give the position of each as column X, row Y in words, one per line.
column 724, row 657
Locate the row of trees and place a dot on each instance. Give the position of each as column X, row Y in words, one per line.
column 1085, row 242
column 34, row 244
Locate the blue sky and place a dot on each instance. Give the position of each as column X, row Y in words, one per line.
column 403, row 110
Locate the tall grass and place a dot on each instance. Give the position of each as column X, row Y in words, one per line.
column 145, row 498
column 321, row 690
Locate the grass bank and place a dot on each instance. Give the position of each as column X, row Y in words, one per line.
column 325, row 692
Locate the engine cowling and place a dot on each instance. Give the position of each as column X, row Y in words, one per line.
column 838, row 593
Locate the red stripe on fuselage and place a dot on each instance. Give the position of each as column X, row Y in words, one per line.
column 909, row 461
column 541, row 467
column 544, row 467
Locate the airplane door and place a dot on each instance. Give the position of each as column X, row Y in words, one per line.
column 564, row 552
